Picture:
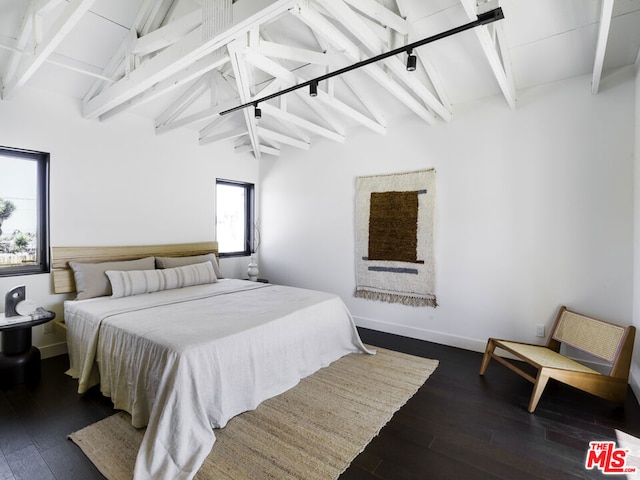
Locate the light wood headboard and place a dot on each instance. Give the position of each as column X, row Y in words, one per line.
column 61, row 256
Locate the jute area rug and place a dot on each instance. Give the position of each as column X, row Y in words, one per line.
column 312, row 431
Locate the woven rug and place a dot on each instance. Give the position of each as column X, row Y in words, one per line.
column 394, row 238
column 312, row 431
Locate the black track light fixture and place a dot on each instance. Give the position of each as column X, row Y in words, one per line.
column 483, row 19
column 257, row 111
column 411, row 61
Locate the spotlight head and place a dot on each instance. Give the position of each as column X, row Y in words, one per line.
column 313, row 89
column 257, row 112
column 411, row 62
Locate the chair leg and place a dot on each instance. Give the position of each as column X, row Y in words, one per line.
column 538, row 388
column 491, row 346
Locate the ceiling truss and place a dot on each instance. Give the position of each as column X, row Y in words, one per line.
column 243, row 63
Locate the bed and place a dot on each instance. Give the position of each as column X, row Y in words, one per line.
column 183, row 361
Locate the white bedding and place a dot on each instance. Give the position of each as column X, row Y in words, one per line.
column 185, row 361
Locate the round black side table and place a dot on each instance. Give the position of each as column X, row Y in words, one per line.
column 19, row 360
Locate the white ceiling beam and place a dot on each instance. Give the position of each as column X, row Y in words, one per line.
column 199, row 68
column 498, row 56
column 352, row 113
column 263, row 148
column 115, row 63
column 354, row 23
column 212, row 112
column 44, row 7
column 223, row 136
column 288, row 78
column 335, row 37
column 357, row 27
column 181, row 54
column 70, row 16
column 279, row 114
column 26, row 28
column 285, row 52
column 382, row 14
column 241, row 74
column 216, row 123
column 61, row 61
column 359, row 91
column 77, row 66
column 152, row 15
column 270, row 150
column 378, row 30
column 601, row 47
column 168, row 34
column 280, row 137
column 425, row 60
column 185, row 100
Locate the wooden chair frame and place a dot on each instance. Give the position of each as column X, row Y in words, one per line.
column 612, row 387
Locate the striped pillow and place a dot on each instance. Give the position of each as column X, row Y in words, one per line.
column 135, row 282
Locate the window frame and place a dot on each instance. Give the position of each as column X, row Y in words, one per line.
column 249, row 216
column 42, row 220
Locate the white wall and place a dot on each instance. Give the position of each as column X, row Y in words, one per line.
column 635, row 367
column 116, row 183
column 534, row 210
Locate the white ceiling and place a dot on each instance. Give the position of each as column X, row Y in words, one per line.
column 149, row 57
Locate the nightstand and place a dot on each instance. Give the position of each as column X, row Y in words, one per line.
column 20, row 360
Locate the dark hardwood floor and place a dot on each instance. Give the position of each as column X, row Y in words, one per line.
column 459, row 425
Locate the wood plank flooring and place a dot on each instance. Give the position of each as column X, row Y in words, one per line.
column 458, row 426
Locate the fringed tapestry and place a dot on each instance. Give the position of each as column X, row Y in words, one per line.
column 394, row 238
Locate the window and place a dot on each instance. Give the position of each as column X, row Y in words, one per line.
column 24, row 212
column 234, row 217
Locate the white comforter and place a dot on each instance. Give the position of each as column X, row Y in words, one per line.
column 185, row 361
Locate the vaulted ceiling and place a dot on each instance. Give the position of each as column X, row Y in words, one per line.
column 183, row 62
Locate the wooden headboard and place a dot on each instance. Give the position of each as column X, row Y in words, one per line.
column 61, row 256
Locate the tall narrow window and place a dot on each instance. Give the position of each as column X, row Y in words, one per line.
column 234, row 217
column 24, row 212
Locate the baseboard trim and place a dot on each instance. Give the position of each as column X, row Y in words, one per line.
column 466, row 343
column 53, row 350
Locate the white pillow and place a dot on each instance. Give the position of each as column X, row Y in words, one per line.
column 135, row 282
column 171, row 262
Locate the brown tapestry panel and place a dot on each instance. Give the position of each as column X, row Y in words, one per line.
column 393, row 226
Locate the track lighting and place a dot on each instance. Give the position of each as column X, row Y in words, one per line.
column 411, row 61
column 258, row 112
column 483, row 19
